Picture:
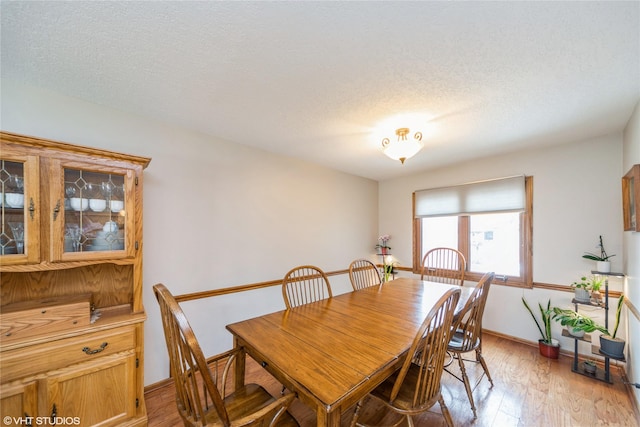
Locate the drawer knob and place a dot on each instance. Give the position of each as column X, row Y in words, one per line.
column 97, row 350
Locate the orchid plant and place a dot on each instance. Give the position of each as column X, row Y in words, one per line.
column 384, row 239
column 603, row 256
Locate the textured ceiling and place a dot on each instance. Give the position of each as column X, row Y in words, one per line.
column 313, row 80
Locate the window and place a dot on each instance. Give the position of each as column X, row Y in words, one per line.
column 489, row 222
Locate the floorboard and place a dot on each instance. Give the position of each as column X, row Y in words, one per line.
column 529, row 390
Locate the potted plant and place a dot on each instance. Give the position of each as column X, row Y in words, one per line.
column 603, row 264
column 596, row 283
column 383, row 246
column 609, row 344
column 582, row 289
column 577, row 324
column 590, row 366
column 548, row 347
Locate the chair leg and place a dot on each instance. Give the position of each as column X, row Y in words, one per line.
column 356, row 414
column 410, row 421
column 445, row 412
column 484, row 364
column 467, row 386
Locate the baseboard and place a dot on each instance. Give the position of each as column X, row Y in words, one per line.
column 632, row 394
column 566, row 353
column 157, row 386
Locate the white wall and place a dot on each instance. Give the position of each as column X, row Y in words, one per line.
column 576, row 198
column 631, row 156
column 216, row 214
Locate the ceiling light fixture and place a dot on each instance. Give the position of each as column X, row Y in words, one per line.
column 404, row 148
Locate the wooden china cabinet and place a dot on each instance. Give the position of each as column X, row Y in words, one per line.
column 71, row 320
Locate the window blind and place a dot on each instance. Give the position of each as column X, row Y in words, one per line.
column 491, row 196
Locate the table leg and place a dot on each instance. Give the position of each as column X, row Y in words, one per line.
column 331, row 419
column 240, row 366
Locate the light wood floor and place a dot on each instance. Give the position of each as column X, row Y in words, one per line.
column 529, row 390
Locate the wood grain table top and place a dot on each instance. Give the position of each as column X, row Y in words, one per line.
column 333, row 352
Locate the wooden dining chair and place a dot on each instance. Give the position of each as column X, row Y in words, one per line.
column 415, row 387
column 444, row 265
column 250, row 405
column 363, row 274
column 305, row 284
column 468, row 336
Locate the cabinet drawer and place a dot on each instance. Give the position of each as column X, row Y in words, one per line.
column 42, row 317
column 56, row 354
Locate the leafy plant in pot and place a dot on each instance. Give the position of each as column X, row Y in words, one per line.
column 577, row 324
column 590, row 366
column 548, row 347
column 609, row 344
column 603, row 264
column 596, row 284
column 582, row 289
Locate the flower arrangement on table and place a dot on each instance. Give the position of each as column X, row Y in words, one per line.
column 383, row 246
column 387, row 267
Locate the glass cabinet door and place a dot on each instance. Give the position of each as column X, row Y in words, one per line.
column 19, row 225
column 94, row 222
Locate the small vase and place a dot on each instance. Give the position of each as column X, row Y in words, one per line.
column 383, row 251
column 603, row 266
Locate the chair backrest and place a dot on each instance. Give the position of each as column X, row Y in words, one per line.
column 188, row 364
column 445, row 265
column 427, row 353
column 469, row 327
column 363, row 274
column 305, row 284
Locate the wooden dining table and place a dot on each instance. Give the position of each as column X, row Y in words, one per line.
column 334, row 352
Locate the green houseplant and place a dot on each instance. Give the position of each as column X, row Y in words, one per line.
column 596, row 283
column 581, row 289
column 587, row 288
column 609, row 344
column 577, row 324
column 590, row 366
column 603, row 264
column 548, row 347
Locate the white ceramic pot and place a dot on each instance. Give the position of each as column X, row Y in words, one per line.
column 603, row 266
column 582, row 295
column 578, row 333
